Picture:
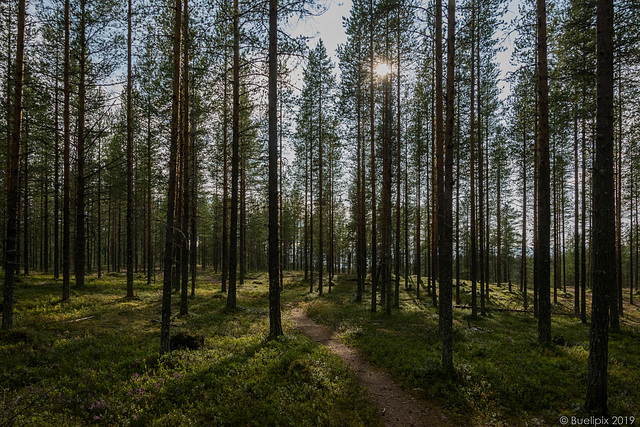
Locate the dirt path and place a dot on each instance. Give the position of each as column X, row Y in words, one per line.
column 397, row 407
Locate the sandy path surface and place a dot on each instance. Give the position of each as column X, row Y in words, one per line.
column 397, row 407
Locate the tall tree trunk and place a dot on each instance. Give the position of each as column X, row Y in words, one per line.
column 440, row 192
column 275, row 324
column 225, row 184
column 359, row 204
column 472, row 166
column 583, row 249
column 99, row 246
column 320, row 196
column 235, row 161
column 481, row 188
column 396, row 295
column 457, row 142
column 306, row 218
column 523, row 274
column 386, row 185
column 25, row 228
column 45, row 217
column 129, row 158
column 193, row 250
column 498, row 226
column 173, row 153
column 80, row 243
column 544, row 213
column 631, row 235
column 310, row 151
column 603, row 230
column 150, row 267
column 576, row 232
column 186, row 159
column 56, row 184
column 418, row 257
column 280, row 216
column 445, row 202
column 242, row 228
column 374, row 247
column 11, row 254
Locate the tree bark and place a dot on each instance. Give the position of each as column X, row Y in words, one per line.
column 129, row 159
column 275, row 324
column 235, row 161
column 225, row 184
column 576, row 243
column 186, row 160
column 603, row 231
column 472, row 166
column 446, row 197
column 544, row 213
column 173, row 152
column 374, row 248
column 80, row 242
column 11, row 254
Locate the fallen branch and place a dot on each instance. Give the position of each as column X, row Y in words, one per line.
column 80, row 320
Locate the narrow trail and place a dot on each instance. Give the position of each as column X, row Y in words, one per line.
column 397, row 407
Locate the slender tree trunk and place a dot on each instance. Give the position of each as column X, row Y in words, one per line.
column 193, row 251
column 440, row 202
column 175, row 121
column 360, row 271
column 386, row 186
column 418, row 257
column 9, row 146
column 225, row 184
column 374, row 247
column 242, row 268
column 11, row 254
column 396, row 295
column 310, row 150
column 556, row 255
column 56, row 184
column 25, row 228
column 150, row 266
column 498, row 225
column 320, row 196
column 446, row 197
column 544, row 214
column 576, row 242
column 457, row 142
column 306, row 218
column 235, row 160
column 80, row 243
column 99, row 248
column 44, row 263
column 129, row 159
column 583, row 250
column 186, row 160
column 280, row 216
column 275, row 324
column 631, row 235
column 481, row 188
column 472, row 166
column 523, row 275
column 603, row 244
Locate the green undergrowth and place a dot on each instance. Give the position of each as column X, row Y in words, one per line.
column 95, row 359
column 503, row 376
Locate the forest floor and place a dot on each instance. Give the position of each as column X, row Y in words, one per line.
column 503, row 375
column 95, row 359
column 398, row 407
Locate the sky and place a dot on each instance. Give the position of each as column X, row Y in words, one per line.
column 328, row 26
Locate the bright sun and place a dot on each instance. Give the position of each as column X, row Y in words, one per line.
column 382, row 69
